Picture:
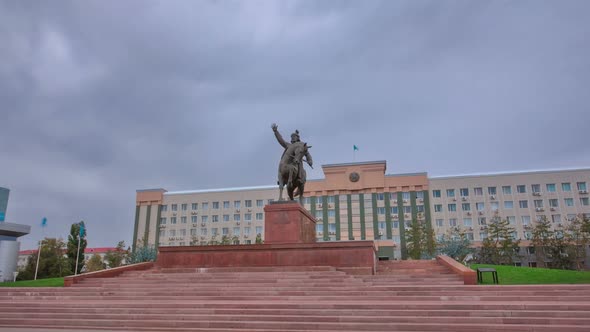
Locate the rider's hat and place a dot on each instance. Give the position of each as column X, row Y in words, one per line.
column 295, row 135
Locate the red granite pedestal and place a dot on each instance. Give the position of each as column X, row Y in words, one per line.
column 289, row 241
column 288, row 222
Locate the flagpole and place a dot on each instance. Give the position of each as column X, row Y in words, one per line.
column 38, row 255
column 77, row 254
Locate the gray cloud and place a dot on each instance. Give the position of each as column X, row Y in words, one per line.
column 100, row 99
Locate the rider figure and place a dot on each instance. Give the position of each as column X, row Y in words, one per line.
column 294, row 139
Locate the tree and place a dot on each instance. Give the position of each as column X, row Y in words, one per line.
column 558, row 250
column 95, row 263
column 499, row 247
column 259, row 239
column 52, row 263
column 225, row 240
column 541, row 235
column 455, row 244
column 578, row 236
column 420, row 240
column 118, row 256
column 143, row 253
column 73, row 251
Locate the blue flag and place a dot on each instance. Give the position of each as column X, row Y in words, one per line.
column 44, row 222
column 355, row 148
column 82, row 230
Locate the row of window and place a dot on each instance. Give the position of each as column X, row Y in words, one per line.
column 482, row 221
column 523, row 204
column 380, row 211
column 236, row 231
column 367, row 197
column 215, row 205
column 507, row 190
column 214, row 218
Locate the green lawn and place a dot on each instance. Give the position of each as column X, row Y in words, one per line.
column 50, row 282
column 513, row 275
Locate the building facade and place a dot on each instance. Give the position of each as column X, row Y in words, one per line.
column 9, row 244
column 359, row 201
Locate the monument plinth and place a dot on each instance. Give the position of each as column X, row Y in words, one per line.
column 288, row 222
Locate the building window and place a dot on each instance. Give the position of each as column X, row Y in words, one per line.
column 259, row 216
column 204, row 218
column 523, row 204
column 395, row 224
column 215, row 205
column 538, row 203
column 479, row 206
column 194, row 219
column 582, row 186
column 226, row 217
column 584, row 201
column 193, row 232
column 566, row 186
column 174, row 207
column 194, row 206
column 380, row 210
column 420, row 208
column 226, row 204
column 568, row 201
column 215, row 218
column 453, row 222
column 319, row 214
column 481, row 221
column 478, row 191
column 511, row 220
column 380, row 197
column 508, row 204
column 507, row 190
column 464, row 192
column 571, row 217
column 467, row 222
column 394, row 210
column 406, row 195
column 420, row 195
column 225, row 231
column 494, row 206
column 247, row 231
column 450, row 192
column 491, row 190
column 162, row 221
column 259, row 203
column 248, row 203
column 556, row 218
column 182, row 232
column 204, row 231
column 452, row 207
column 436, row 193
column 237, row 204
column 258, row 230
column 440, row 222
column 553, row 202
column 205, row 206
column 483, row 235
column 213, row 231
column 248, row 216
column 236, row 231
column 172, row 232
column 236, row 217
column 407, row 209
column 536, row 188
column 164, row 208
column 437, row 207
column 184, row 207
column 183, row 220
column 469, row 236
column 550, row 187
column 466, row 207
column 521, row 189
column 173, row 220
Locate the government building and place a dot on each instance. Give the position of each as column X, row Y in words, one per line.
column 360, row 201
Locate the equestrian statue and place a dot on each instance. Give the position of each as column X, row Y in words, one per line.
column 291, row 171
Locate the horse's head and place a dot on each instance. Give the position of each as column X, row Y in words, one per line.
column 300, row 151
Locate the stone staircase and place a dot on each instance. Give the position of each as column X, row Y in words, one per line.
column 402, row 296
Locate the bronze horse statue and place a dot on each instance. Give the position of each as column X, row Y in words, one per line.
column 291, row 171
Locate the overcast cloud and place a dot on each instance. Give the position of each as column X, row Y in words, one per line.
column 100, row 98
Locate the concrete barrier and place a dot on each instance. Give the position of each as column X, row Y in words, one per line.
column 469, row 276
column 109, row 273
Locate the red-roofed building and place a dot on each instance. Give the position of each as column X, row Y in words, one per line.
column 24, row 255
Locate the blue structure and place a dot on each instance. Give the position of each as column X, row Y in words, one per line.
column 3, row 202
column 9, row 246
